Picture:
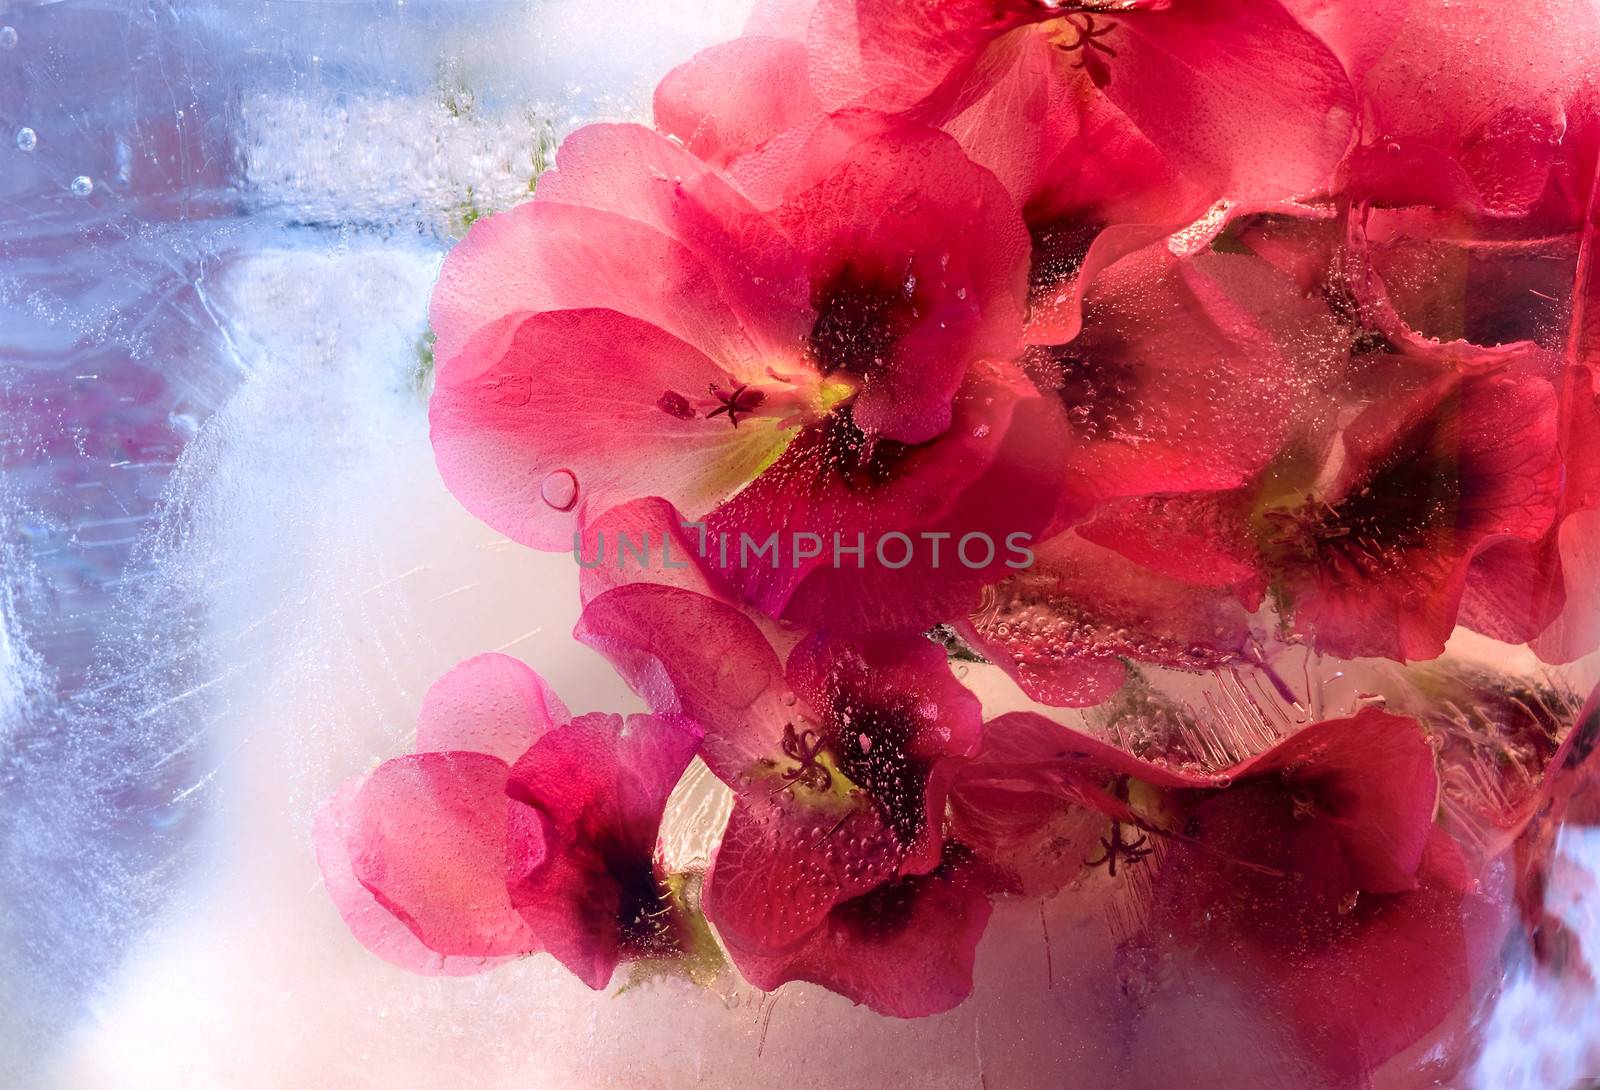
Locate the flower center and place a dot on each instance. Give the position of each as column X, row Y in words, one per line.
column 860, row 317
column 791, row 399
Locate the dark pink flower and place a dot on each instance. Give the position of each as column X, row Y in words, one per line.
column 833, row 863
column 1377, row 563
column 843, row 348
column 598, row 785
column 1236, row 94
column 641, row 295
column 1367, row 550
column 1311, row 877
column 515, row 828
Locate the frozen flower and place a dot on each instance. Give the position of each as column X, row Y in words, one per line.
column 833, row 867
column 514, row 828
column 1310, row 878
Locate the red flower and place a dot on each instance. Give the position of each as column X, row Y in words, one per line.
column 833, row 866
column 1376, row 564
column 1368, row 550
column 515, row 828
column 641, row 294
column 1310, row 877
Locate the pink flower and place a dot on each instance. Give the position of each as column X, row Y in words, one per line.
column 598, row 786
column 1368, row 549
column 845, row 347
column 833, row 866
column 415, row 854
column 514, row 828
column 1310, row 877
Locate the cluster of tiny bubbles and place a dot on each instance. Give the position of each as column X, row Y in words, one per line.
column 8, row 37
column 82, row 186
column 27, row 139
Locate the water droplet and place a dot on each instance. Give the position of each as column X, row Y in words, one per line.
column 82, row 185
column 27, row 139
column 559, row 490
column 8, row 37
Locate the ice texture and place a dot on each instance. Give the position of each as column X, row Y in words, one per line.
column 228, row 572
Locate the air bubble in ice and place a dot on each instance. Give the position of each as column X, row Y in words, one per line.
column 27, row 139
column 560, row 490
column 8, row 37
column 82, row 185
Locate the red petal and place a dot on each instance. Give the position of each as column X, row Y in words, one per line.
column 634, row 172
column 1375, row 786
column 905, row 949
column 1236, row 92
column 545, row 255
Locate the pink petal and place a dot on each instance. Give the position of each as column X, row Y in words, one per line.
column 728, row 100
column 490, row 704
column 1236, row 92
column 545, row 255
column 1462, row 82
column 526, row 423
column 690, row 655
column 378, row 929
column 428, row 837
column 634, row 172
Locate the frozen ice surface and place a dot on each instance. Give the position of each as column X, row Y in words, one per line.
column 228, row 570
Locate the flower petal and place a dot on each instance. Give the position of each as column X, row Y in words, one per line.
column 529, row 426
column 491, row 704
column 428, row 836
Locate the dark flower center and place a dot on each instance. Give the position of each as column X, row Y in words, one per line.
column 872, row 746
column 1402, row 503
column 1094, row 380
column 859, row 319
column 1059, row 246
column 644, row 911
